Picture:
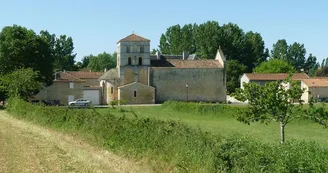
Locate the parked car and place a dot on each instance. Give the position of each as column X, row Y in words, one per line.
column 80, row 102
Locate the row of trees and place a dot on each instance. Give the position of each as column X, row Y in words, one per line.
column 99, row 62
column 244, row 50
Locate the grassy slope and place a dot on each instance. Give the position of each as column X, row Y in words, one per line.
column 226, row 124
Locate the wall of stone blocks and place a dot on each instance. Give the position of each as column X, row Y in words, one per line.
column 204, row 84
column 60, row 91
column 144, row 94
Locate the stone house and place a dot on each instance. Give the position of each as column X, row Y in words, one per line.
column 71, row 85
column 316, row 88
column 262, row 78
column 141, row 78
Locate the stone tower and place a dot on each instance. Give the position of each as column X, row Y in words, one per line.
column 133, row 59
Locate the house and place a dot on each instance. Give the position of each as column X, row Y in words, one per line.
column 316, row 88
column 262, row 78
column 141, row 78
column 71, row 85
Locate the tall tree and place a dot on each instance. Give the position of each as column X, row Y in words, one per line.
column 234, row 70
column 187, row 39
column 274, row 66
column 207, row 39
column 296, row 54
column 280, row 50
column 164, row 45
column 61, row 50
column 173, row 36
column 22, row 48
column 311, row 65
column 102, row 61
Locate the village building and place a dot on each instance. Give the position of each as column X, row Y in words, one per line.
column 317, row 88
column 142, row 78
column 263, row 78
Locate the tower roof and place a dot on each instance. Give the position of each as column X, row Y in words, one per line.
column 133, row 37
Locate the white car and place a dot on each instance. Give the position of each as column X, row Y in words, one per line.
column 80, row 102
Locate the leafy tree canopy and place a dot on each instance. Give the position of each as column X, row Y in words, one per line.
column 22, row 48
column 102, row 61
column 22, row 83
column 274, row 66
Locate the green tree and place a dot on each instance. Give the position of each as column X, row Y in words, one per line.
column 280, row 50
column 22, row 83
column 274, row 102
column 61, row 49
column 22, row 48
column 296, row 54
column 311, row 65
column 274, row 66
column 102, row 61
column 173, row 37
column 207, row 39
column 234, row 70
column 187, row 39
column 154, row 51
column 164, row 46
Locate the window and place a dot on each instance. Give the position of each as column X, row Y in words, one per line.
column 135, row 93
column 127, row 49
column 129, row 61
column 140, row 61
column 142, row 49
column 71, row 85
column 111, row 90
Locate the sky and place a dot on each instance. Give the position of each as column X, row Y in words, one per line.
column 97, row 25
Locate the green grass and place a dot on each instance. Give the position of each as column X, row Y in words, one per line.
column 225, row 124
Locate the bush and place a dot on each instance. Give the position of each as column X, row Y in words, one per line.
column 199, row 108
column 185, row 149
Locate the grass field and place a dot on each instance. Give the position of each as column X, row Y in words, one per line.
column 226, row 124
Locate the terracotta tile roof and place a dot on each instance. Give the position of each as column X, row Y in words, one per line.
column 195, row 63
column 316, row 82
column 85, row 74
column 65, row 77
column 275, row 76
column 110, row 74
column 133, row 37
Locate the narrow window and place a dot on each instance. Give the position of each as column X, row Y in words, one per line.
column 140, row 61
column 129, row 61
column 142, row 49
column 135, row 93
column 111, row 90
column 71, row 85
column 127, row 49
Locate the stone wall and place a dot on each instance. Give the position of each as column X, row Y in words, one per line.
column 144, row 94
column 61, row 91
column 204, row 84
column 130, row 74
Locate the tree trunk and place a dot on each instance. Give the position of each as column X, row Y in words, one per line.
column 282, row 132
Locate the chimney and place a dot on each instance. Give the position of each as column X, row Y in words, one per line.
column 158, row 54
column 185, row 55
column 105, row 70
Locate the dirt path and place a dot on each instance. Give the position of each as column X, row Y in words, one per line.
column 25, row 147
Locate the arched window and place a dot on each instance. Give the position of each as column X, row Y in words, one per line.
column 129, row 61
column 140, row 61
column 135, row 93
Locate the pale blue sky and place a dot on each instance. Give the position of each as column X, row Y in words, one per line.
column 97, row 25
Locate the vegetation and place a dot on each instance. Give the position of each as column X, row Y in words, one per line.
column 21, row 83
column 184, row 148
column 101, row 61
column 274, row 66
column 276, row 102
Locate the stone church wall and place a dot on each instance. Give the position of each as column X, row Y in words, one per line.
column 204, row 84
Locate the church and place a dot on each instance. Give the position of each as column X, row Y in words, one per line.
column 143, row 78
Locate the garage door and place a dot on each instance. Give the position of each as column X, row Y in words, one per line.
column 92, row 95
